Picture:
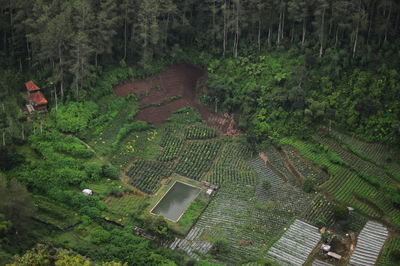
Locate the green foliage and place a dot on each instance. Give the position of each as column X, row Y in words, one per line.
column 340, row 212
column 74, row 117
column 395, row 255
column 94, row 171
column 309, row 185
column 99, row 236
column 16, row 208
column 266, row 184
column 135, row 126
column 220, row 246
column 157, row 226
column 110, row 171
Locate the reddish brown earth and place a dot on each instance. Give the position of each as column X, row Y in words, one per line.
column 178, row 80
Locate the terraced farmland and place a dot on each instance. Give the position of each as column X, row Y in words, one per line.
column 54, row 213
column 374, row 151
column 319, row 212
column 190, row 246
column 146, row 175
column 346, row 184
column 354, row 161
column 369, row 243
column 221, row 175
column 234, row 156
column 294, row 247
column 172, row 147
column 248, row 216
column 385, row 258
column 304, row 167
column 126, row 205
column 197, row 159
column 200, row 132
column 278, row 162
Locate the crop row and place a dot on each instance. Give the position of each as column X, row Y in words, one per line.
column 306, row 169
column 234, row 156
column 197, row 158
column 346, row 184
column 53, row 213
column 373, row 151
column 146, row 175
column 172, row 148
column 320, row 212
column 199, row 132
column 278, row 162
column 386, row 258
column 125, row 205
column 355, row 161
column 222, row 175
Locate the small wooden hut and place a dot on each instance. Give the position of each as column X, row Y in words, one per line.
column 36, row 99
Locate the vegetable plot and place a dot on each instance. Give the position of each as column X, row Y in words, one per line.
column 172, row 148
column 55, row 214
column 221, row 175
column 386, row 258
column 146, row 175
column 306, row 169
column 199, row 132
column 197, row 159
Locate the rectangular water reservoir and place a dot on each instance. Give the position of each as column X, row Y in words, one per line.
column 176, row 201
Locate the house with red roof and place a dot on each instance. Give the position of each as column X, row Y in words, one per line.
column 36, row 99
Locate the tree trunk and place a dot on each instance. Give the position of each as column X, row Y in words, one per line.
column 269, row 34
column 283, row 21
column 356, row 34
column 225, row 31
column 336, row 36
column 61, row 71
column 125, row 32
column 303, row 38
column 355, row 42
column 236, row 41
column 11, row 27
column 388, row 22
column 280, row 24
column 259, row 34
column 321, row 49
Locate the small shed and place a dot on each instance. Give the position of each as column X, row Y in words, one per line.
column 36, row 98
column 334, row 255
column 209, row 191
column 87, row 192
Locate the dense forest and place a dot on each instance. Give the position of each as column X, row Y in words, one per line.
column 282, row 68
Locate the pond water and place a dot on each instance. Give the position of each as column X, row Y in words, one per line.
column 176, row 201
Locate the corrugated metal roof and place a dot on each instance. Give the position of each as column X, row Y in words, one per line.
column 38, row 98
column 31, row 86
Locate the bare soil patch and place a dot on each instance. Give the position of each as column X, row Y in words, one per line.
column 177, row 80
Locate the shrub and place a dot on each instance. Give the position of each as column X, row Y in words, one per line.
column 75, row 116
column 125, row 130
column 341, row 212
column 266, row 184
column 221, row 246
column 93, row 170
column 308, row 185
column 110, row 171
column 395, row 255
column 99, row 236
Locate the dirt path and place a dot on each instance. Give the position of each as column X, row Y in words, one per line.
column 177, row 80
